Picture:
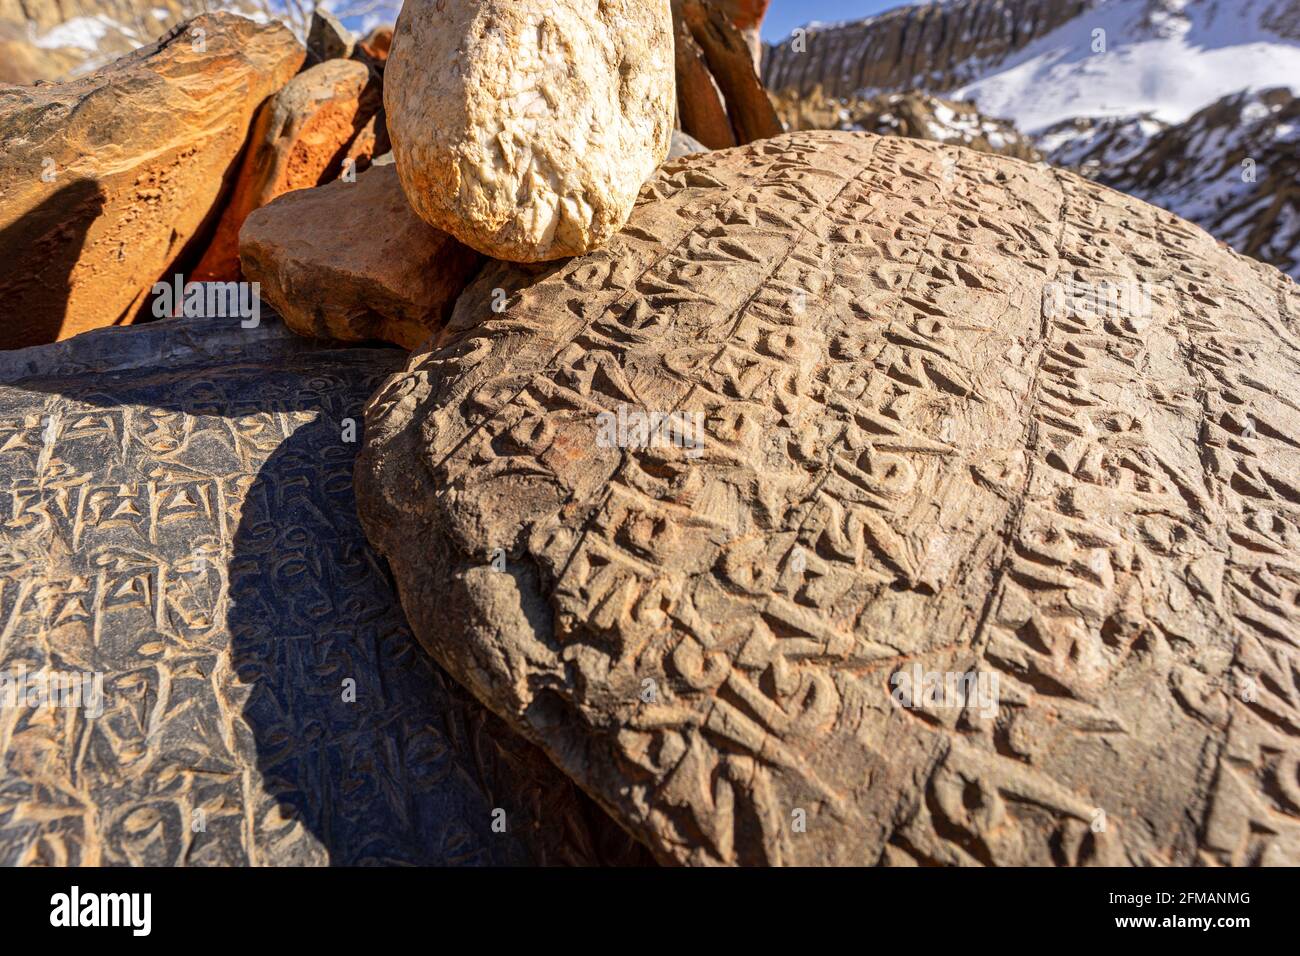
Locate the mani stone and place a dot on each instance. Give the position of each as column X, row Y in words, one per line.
column 106, row 179
column 377, row 44
column 872, row 501
column 351, row 261
column 300, row 139
column 178, row 519
column 526, row 128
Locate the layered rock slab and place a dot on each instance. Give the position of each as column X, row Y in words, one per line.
column 177, row 522
column 526, row 129
column 351, row 261
column 106, row 179
column 836, row 513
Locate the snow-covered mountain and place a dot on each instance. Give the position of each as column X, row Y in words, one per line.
column 1166, row 58
column 1164, row 99
column 56, row 39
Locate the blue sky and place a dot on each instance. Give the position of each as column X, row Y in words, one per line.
column 784, row 15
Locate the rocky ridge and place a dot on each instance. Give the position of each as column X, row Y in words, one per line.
column 916, row 115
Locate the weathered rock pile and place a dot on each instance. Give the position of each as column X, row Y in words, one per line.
column 829, row 498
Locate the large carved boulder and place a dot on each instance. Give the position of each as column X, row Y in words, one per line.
column 525, row 128
column 106, row 179
column 873, row 501
column 351, row 261
column 202, row 661
column 301, row 138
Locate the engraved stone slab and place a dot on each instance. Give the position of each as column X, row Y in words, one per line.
column 873, row 501
column 177, row 522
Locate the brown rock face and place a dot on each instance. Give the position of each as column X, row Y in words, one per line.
column 351, row 261
column 300, row 139
column 873, row 501
column 525, row 128
column 107, row 178
column 913, row 46
column 730, row 70
column 377, row 44
column 700, row 109
column 328, row 38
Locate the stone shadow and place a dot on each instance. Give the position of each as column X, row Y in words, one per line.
column 37, row 255
column 292, row 702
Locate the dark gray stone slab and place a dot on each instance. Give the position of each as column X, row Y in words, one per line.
column 177, row 520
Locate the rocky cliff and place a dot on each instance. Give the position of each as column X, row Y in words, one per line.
column 931, row 45
column 53, row 39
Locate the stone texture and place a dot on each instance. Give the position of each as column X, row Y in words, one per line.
column 106, row 179
column 300, row 138
column 922, row 447
column 351, row 261
column 178, row 518
column 524, row 128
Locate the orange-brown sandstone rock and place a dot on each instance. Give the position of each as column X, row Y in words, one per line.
column 873, row 501
column 731, row 70
column 747, row 17
column 105, row 179
column 377, row 44
column 700, row 110
column 301, row 138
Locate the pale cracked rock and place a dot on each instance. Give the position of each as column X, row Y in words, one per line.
column 524, row 128
column 350, row 261
column 914, row 437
